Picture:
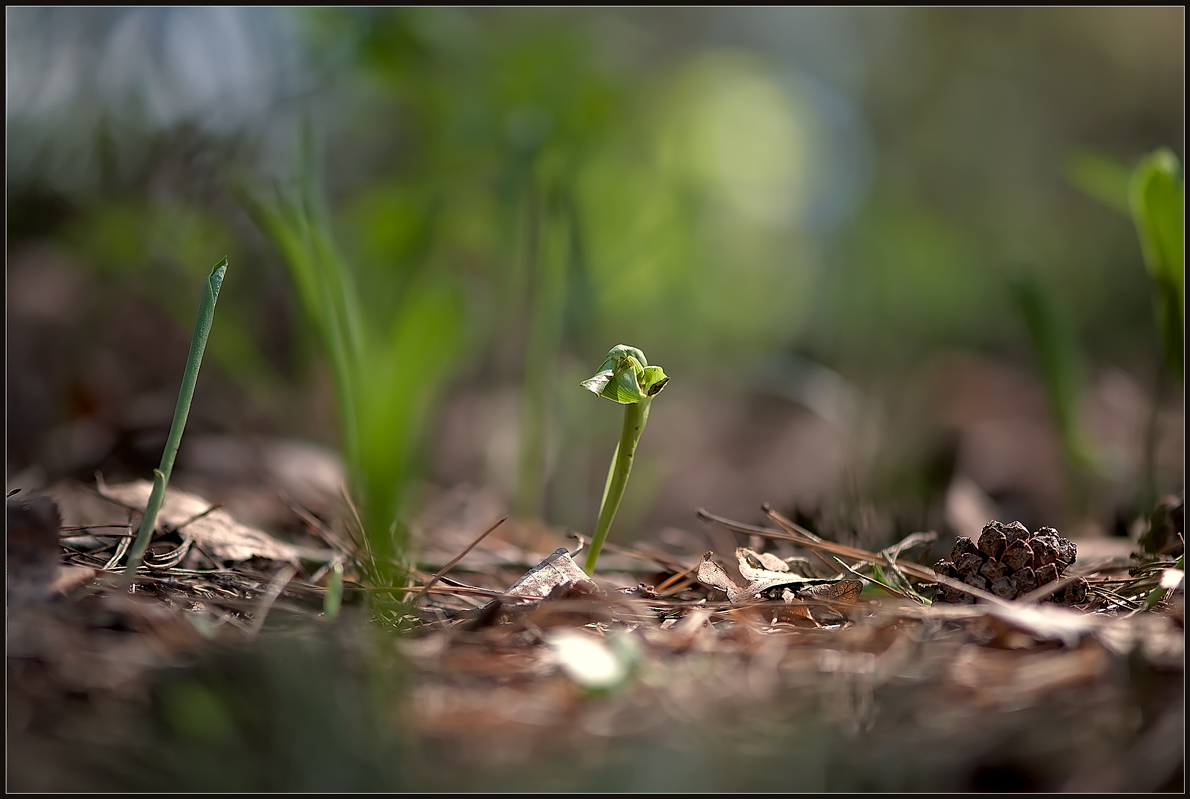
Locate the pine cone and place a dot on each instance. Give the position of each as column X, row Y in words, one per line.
column 1010, row 562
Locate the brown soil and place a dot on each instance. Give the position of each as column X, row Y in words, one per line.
column 226, row 674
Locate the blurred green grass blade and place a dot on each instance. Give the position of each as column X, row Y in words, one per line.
column 334, row 593
column 1059, row 357
column 291, row 232
column 547, row 248
column 1157, row 196
column 1100, row 178
column 1055, row 346
column 389, row 365
column 396, row 396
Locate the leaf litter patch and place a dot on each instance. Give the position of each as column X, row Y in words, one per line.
column 834, row 669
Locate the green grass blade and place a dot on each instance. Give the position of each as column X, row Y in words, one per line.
column 1060, row 360
column 546, row 255
column 1100, row 178
column 1157, row 196
column 198, row 344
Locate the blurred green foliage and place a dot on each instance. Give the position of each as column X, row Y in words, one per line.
column 388, row 364
column 1154, row 195
column 1157, row 196
column 1063, row 371
column 156, row 251
column 510, row 175
column 855, row 187
column 245, row 718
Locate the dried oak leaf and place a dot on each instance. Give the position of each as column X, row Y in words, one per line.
column 764, row 582
column 759, row 580
column 555, row 574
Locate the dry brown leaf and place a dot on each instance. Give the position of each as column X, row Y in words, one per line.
column 556, row 571
column 215, row 532
column 759, row 579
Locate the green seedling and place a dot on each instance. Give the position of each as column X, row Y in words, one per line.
column 625, row 377
column 198, row 344
column 1157, row 199
column 1154, row 195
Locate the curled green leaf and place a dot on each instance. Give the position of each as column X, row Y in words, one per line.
column 654, row 381
column 625, row 377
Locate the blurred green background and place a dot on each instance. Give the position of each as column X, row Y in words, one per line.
column 812, row 218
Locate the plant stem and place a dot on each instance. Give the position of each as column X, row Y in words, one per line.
column 334, row 593
column 635, row 416
column 198, row 344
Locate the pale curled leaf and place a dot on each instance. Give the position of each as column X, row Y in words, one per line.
column 767, row 560
column 620, row 383
column 598, row 382
column 555, row 571
column 760, row 579
column 712, row 574
column 771, row 569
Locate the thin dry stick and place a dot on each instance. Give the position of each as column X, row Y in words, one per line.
column 450, row 565
column 866, row 578
column 328, row 536
column 791, row 525
column 276, row 586
column 657, row 558
column 1038, row 594
column 1032, row 596
column 121, row 550
column 810, row 541
column 354, row 513
column 437, row 589
column 908, row 542
column 964, row 588
column 67, row 529
column 892, row 553
column 678, row 577
column 368, row 555
column 198, row 516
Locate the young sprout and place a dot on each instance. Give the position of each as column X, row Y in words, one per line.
column 198, row 345
column 625, row 377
